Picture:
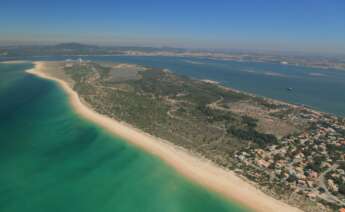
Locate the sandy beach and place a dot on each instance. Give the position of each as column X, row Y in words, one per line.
column 197, row 169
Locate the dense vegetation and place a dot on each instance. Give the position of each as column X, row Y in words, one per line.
column 189, row 113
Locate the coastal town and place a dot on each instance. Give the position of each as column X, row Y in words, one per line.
column 311, row 163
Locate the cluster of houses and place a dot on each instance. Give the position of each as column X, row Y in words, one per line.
column 311, row 163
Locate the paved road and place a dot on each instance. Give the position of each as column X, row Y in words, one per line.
column 327, row 195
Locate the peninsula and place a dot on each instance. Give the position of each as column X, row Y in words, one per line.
column 204, row 130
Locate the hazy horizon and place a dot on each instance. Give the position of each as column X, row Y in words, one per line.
column 294, row 26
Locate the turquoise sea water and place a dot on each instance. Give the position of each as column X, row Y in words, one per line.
column 319, row 88
column 53, row 160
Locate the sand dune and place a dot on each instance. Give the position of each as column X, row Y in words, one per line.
column 191, row 166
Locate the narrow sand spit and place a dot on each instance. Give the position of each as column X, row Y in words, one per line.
column 195, row 168
column 13, row 62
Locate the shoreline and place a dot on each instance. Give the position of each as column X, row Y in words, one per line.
column 13, row 62
column 268, row 99
column 196, row 169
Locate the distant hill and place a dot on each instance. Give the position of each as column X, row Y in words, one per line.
column 75, row 46
column 60, row 49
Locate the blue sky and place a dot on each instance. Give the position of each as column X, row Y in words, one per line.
column 299, row 25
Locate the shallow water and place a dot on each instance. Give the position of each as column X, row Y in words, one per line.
column 53, row 160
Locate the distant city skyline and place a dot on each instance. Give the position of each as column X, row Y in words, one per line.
column 276, row 25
